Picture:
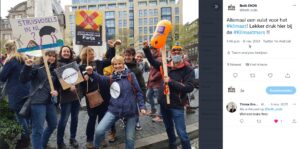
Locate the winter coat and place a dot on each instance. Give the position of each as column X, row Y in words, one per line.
column 40, row 88
column 181, row 82
column 125, row 105
column 98, row 66
column 139, row 75
column 155, row 77
column 16, row 90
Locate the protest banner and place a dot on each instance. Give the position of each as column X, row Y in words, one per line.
column 89, row 27
column 33, row 34
column 69, row 75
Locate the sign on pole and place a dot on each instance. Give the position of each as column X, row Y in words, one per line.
column 69, row 75
column 33, row 34
column 89, row 27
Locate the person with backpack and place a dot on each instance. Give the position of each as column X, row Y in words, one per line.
column 131, row 64
column 42, row 98
column 87, row 57
column 69, row 103
column 17, row 92
column 180, row 80
column 126, row 94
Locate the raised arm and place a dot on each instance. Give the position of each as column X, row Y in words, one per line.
column 156, row 64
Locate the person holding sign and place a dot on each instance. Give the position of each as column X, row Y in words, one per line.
column 42, row 103
column 17, row 92
column 180, row 82
column 89, row 85
column 69, row 103
column 125, row 95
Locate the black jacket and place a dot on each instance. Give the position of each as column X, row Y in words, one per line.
column 133, row 67
column 40, row 88
column 92, row 84
column 181, row 82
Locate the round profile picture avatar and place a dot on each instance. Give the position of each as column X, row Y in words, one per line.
column 231, row 107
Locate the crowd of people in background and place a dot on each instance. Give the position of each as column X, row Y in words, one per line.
column 130, row 88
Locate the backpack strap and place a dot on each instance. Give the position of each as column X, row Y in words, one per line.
column 129, row 77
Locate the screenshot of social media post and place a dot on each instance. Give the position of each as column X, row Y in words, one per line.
column 260, row 75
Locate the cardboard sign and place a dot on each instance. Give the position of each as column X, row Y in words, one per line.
column 89, row 27
column 69, row 75
column 36, row 33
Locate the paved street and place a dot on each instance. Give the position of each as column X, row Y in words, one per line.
column 149, row 128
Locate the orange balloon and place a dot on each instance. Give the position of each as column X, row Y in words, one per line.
column 161, row 33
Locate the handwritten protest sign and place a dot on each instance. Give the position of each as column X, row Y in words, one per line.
column 36, row 33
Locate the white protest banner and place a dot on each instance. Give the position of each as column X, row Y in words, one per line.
column 69, row 75
column 33, row 34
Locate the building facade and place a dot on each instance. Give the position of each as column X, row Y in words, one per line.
column 191, row 46
column 25, row 10
column 132, row 21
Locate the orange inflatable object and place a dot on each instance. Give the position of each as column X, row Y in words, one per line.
column 161, row 33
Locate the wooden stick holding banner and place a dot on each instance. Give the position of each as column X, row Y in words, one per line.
column 158, row 41
column 47, row 70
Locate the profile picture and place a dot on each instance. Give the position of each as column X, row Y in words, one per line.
column 231, row 107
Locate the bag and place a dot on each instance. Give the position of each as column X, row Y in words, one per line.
column 94, row 98
column 25, row 110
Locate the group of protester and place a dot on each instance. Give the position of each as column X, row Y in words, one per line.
column 119, row 80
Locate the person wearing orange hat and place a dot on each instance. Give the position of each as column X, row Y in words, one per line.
column 180, row 80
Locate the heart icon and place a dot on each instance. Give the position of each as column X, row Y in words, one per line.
column 276, row 120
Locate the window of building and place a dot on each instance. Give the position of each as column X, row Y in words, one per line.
column 145, row 38
column 122, row 5
column 92, row 7
column 176, row 19
column 150, row 21
column 140, row 38
column 151, row 29
column 145, row 13
column 140, row 22
column 120, row 23
column 124, row 23
column 74, row 8
column 145, row 30
column 166, row 11
column 155, row 12
column 162, row 2
column 131, row 15
column 140, row 13
column 140, row 30
column 166, row 18
column 152, row 3
column 176, row 11
column 155, row 20
column 102, row 6
column 110, row 23
column 131, row 23
column 111, row 31
column 145, row 21
column 150, row 12
column 109, row 15
column 82, row 7
column 142, row 3
column 111, row 6
column 172, row 1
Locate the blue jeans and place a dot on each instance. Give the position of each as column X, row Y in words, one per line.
column 108, row 120
column 152, row 93
column 171, row 115
column 40, row 113
column 93, row 114
column 24, row 122
column 67, row 109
